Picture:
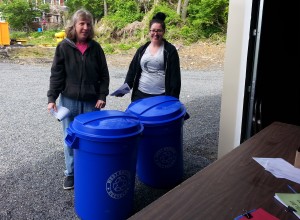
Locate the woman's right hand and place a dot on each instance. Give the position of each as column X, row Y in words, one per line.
column 50, row 106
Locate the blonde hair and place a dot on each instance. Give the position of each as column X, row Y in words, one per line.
column 81, row 14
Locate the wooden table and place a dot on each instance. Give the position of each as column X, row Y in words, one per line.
column 233, row 183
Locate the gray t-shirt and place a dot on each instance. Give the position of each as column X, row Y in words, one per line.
column 152, row 80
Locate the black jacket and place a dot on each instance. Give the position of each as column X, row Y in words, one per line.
column 81, row 77
column 171, row 65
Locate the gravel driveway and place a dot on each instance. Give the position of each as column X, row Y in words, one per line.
column 31, row 152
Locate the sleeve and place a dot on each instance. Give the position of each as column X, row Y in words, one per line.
column 57, row 77
column 175, row 75
column 104, row 76
column 131, row 73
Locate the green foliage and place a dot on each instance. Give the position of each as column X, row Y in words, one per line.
column 116, row 48
column 46, row 34
column 93, row 6
column 21, row 13
column 122, row 12
column 20, row 8
column 42, row 40
column 189, row 34
column 205, row 19
column 108, row 48
column 36, row 38
column 18, row 34
column 44, row 7
column 208, row 17
column 173, row 20
column 124, row 46
column 218, row 37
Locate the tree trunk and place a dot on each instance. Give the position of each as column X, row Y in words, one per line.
column 184, row 9
column 105, row 7
column 179, row 7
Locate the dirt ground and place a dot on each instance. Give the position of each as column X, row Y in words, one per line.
column 197, row 56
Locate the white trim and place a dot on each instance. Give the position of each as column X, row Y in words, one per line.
column 234, row 75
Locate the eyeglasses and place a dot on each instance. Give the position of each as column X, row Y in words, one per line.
column 159, row 31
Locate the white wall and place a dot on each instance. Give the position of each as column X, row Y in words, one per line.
column 234, row 75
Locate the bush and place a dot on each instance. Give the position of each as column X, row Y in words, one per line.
column 36, row 38
column 208, row 17
column 123, row 13
column 124, row 46
column 173, row 21
column 189, row 34
column 108, row 48
column 20, row 14
column 126, row 24
column 18, row 34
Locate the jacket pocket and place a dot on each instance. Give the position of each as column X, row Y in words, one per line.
column 71, row 90
column 90, row 91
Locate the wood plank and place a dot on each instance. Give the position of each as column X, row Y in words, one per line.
column 233, row 183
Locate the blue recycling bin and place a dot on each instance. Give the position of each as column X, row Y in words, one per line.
column 105, row 156
column 160, row 153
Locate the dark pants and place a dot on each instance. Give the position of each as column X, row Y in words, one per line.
column 140, row 95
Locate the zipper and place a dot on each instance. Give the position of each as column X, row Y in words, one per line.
column 166, row 60
column 81, row 73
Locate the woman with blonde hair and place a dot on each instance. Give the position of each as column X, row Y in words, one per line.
column 79, row 75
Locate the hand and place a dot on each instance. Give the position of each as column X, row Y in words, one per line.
column 50, row 106
column 100, row 104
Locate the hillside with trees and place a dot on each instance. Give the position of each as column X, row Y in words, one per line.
column 126, row 21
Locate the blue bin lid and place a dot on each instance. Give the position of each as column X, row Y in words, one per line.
column 105, row 124
column 157, row 110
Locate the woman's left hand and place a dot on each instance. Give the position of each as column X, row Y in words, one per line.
column 100, row 104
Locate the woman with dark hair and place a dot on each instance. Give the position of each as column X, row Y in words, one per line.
column 79, row 75
column 155, row 68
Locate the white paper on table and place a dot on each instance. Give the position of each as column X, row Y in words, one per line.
column 124, row 89
column 280, row 168
column 61, row 114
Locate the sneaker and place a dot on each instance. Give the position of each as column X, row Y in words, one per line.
column 69, row 182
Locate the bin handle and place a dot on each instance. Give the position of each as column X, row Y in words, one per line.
column 186, row 116
column 71, row 139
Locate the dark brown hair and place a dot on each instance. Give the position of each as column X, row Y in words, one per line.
column 81, row 14
column 159, row 18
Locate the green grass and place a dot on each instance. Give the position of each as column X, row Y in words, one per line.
column 36, row 38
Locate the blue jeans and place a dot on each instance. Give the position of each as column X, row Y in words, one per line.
column 76, row 107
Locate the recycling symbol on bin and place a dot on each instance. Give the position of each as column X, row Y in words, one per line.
column 165, row 157
column 118, row 184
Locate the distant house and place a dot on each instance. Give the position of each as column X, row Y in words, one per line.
column 54, row 19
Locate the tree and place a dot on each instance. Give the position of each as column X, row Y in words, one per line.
column 123, row 12
column 179, row 7
column 105, row 7
column 208, row 16
column 144, row 5
column 96, row 7
column 184, row 9
column 20, row 14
